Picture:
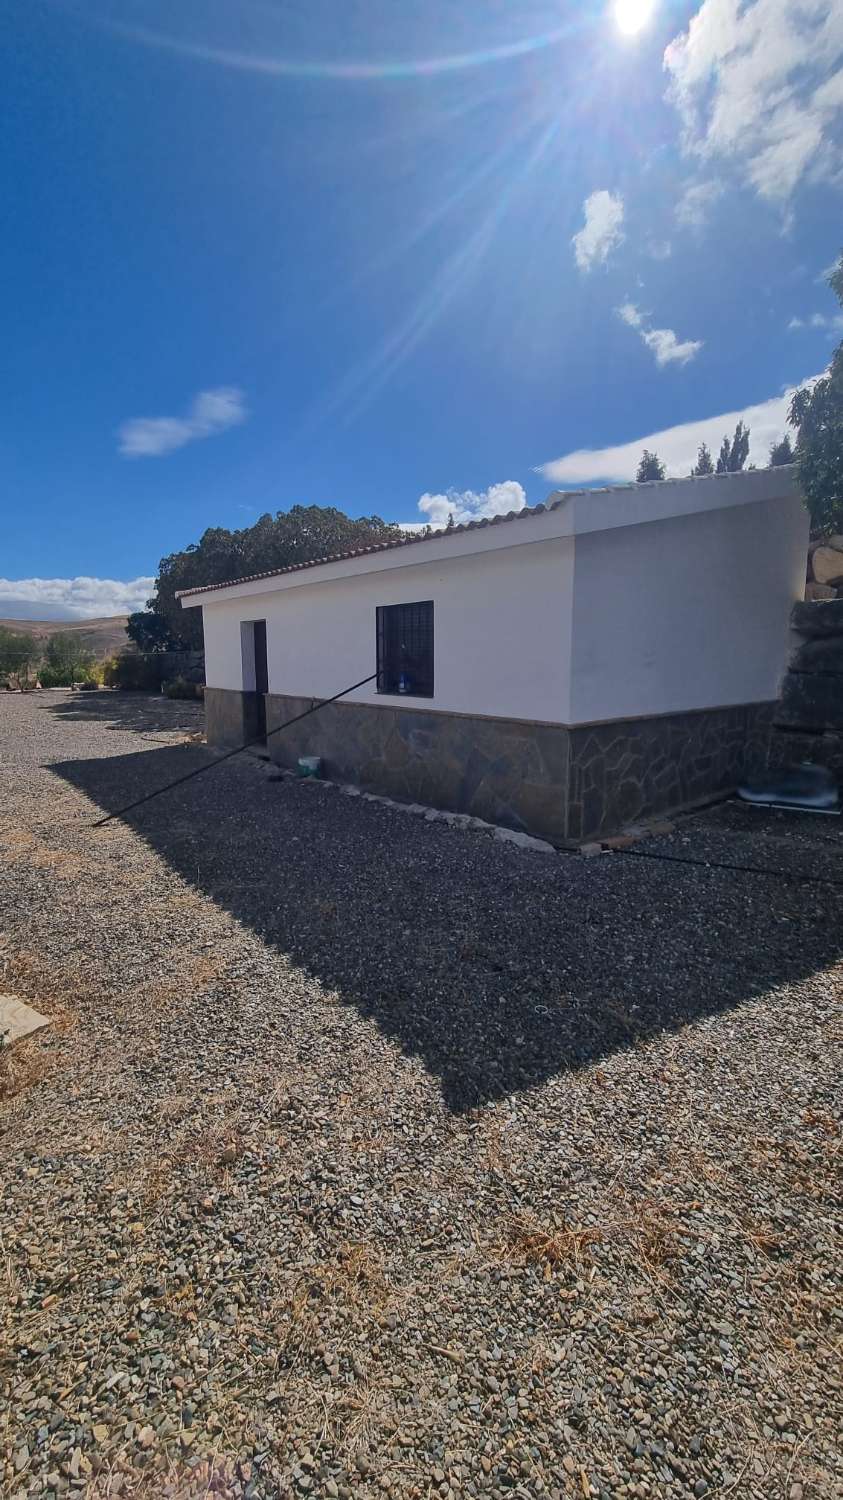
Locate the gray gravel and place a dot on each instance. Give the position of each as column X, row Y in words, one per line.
column 370, row 1156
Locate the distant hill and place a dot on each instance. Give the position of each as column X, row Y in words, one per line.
column 103, row 637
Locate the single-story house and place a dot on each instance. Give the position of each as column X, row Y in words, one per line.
column 609, row 655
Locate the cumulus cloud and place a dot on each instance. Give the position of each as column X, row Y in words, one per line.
column 71, row 598
column 676, row 446
column 830, row 322
column 761, row 84
column 662, row 342
column 471, row 505
column 211, row 412
column 602, row 230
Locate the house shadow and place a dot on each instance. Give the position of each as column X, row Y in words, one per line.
column 498, row 969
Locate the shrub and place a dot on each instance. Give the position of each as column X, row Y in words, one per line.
column 65, row 676
column 134, row 673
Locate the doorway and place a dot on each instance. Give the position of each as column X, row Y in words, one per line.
column 255, row 677
column 261, row 676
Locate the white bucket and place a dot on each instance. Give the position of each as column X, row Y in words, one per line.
column 310, row 765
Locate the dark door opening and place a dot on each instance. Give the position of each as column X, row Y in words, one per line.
column 261, row 675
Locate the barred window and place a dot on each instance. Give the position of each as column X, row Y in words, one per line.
column 405, row 649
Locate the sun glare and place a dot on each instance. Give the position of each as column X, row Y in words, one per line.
column 632, row 15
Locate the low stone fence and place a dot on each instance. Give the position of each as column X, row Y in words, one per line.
column 809, row 715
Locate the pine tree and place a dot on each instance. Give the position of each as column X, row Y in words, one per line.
column 704, row 464
column 782, row 452
column 650, row 467
column 734, row 454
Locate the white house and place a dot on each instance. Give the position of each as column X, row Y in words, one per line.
column 608, row 655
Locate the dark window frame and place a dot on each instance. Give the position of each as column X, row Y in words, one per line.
column 404, row 645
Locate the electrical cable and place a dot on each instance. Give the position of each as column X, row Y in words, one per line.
column 259, row 739
column 719, row 864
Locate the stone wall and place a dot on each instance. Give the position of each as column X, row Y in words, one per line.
column 630, row 769
column 825, row 569
column 507, row 771
column 809, row 714
column 560, row 783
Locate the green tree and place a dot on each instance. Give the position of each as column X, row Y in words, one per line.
column 781, row 452
column 650, row 466
column 817, row 414
column 18, row 654
column 149, row 632
column 66, row 658
column 734, row 453
column 302, row 534
column 704, row 464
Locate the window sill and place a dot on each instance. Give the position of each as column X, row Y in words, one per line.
column 416, row 697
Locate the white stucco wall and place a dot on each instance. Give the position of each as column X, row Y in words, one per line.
column 691, row 612
column 620, row 603
column 502, row 632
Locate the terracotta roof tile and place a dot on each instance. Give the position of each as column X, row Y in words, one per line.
column 401, row 541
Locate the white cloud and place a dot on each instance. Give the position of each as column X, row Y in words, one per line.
column 662, row 342
column 602, row 230
column 696, row 202
column 676, row 446
column 760, row 84
column 211, row 412
column 469, row 505
column 71, row 598
column 831, row 322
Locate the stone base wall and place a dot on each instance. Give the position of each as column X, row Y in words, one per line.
column 560, row 783
column 231, row 718
column 505, row 770
column 630, row 769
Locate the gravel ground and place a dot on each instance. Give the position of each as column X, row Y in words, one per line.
column 368, row 1156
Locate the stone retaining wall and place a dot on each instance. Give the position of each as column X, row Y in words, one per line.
column 809, row 714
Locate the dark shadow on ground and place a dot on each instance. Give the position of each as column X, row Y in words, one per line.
column 141, row 713
column 497, row 968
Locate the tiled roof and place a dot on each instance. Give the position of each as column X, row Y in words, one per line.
column 413, row 538
column 401, row 541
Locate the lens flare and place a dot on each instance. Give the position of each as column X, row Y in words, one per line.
column 631, row 16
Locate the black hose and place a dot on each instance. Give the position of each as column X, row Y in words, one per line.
column 259, row 739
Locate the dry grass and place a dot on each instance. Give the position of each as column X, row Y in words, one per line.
column 23, row 844
column 531, row 1243
column 649, row 1240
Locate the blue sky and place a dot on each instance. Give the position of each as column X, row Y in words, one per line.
column 370, row 254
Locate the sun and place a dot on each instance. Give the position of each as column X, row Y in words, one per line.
column 632, row 16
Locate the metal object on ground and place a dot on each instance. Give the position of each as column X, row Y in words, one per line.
column 805, row 787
